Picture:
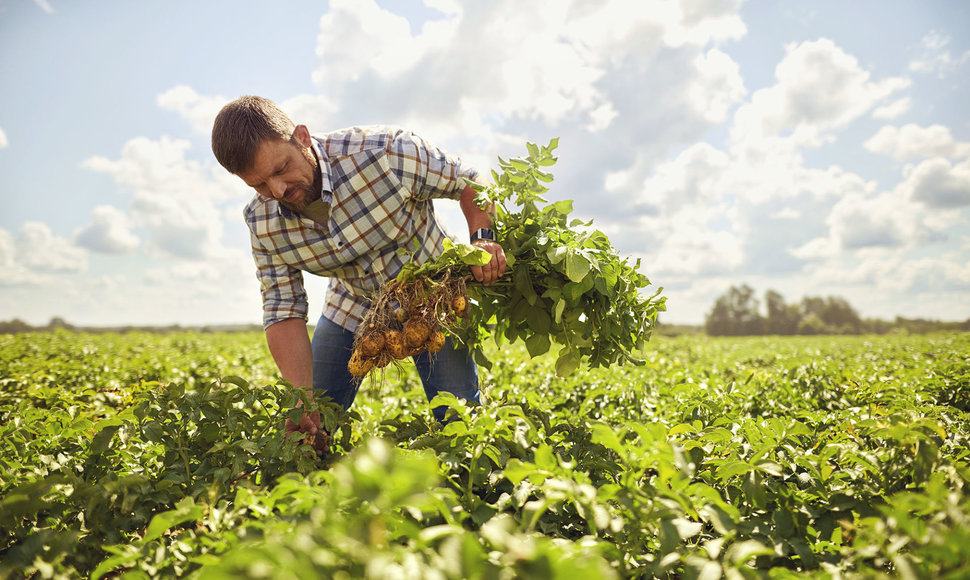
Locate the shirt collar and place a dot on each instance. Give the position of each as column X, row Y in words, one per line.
column 326, row 185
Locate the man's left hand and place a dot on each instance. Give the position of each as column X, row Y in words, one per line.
column 494, row 269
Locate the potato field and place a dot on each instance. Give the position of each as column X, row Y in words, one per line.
column 162, row 455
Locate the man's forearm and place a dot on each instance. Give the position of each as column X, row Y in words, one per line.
column 474, row 215
column 289, row 343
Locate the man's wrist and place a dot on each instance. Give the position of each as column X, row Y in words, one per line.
column 482, row 234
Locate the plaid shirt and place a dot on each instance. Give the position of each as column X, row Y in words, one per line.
column 379, row 183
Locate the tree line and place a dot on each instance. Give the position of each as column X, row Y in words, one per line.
column 738, row 313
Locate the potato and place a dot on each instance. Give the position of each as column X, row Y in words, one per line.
column 416, row 332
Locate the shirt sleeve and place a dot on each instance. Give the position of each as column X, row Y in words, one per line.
column 427, row 171
column 281, row 285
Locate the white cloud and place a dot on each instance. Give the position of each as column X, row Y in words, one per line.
column 717, row 87
column 35, row 255
column 40, row 250
column 891, row 220
column 939, row 184
column 694, row 177
column 108, row 232
column 4, row 142
column 314, row 111
column 935, row 57
column 893, row 109
column 820, row 88
column 690, row 243
column 200, row 111
column 176, row 199
column 786, row 213
column 912, row 141
column 476, row 72
column 875, row 271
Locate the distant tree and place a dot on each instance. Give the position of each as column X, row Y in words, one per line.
column 58, row 322
column 813, row 324
column 835, row 314
column 14, row 326
column 782, row 318
column 735, row 314
column 840, row 314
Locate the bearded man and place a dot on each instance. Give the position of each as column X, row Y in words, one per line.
column 340, row 205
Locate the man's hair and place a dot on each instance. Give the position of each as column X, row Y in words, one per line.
column 242, row 125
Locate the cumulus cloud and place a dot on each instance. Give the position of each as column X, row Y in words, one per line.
column 474, row 72
column 39, row 249
column 939, row 184
column 820, row 88
column 108, row 232
column 35, row 254
column 174, row 198
column 718, row 86
column 757, row 201
column 199, row 110
column 912, row 141
column 4, row 142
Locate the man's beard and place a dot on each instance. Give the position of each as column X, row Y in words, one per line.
column 304, row 200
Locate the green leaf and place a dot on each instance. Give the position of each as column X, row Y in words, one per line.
column 539, row 320
column 557, row 254
column 238, row 381
column 577, row 266
column 538, row 344
column 740, row 552
column 731, row 469
column 185, row 511
column 473, row 256
column 567, row 363
column 558, row 310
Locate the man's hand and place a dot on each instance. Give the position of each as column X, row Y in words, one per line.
column 493, row 270
column 315, row 437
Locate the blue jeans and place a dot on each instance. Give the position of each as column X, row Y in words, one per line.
column 450, row 370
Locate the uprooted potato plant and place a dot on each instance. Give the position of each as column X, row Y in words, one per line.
column 566, row 286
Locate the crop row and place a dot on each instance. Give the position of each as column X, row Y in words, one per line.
column 163, row 456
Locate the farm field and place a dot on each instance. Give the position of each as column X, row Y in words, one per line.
column 162, row 455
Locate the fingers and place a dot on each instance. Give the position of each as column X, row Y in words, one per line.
column 495, row 268
column 314, row 436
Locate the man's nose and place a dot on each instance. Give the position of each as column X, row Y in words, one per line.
column 277, row 188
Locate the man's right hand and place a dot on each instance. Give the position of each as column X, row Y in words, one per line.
column 315, row 437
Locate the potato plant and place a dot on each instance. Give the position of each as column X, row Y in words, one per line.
column 164, row 456
column 566, row 286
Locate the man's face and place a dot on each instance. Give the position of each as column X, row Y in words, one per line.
column 285, row 171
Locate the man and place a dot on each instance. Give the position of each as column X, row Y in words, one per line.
column 341, row 205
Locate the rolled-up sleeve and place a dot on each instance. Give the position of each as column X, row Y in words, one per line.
column 281, row 286
column 427, row 171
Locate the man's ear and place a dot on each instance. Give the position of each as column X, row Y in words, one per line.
column 302, row 135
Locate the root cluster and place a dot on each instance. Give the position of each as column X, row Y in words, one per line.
column 406, row 319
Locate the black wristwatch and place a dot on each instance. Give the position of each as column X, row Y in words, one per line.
column 482, row 234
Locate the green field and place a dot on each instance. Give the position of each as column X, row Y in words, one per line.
column 161, row 455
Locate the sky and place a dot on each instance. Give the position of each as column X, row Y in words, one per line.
column 811, row 148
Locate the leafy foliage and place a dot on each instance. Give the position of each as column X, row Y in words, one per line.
column 566, row 286
column 157, row 457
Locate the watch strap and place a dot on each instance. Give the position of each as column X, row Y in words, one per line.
column 482, row 234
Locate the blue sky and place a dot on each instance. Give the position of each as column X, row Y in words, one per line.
column 813, row 148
